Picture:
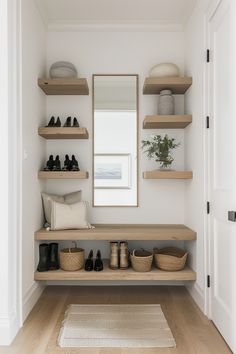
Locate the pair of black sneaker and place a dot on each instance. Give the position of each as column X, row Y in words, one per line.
column 55, row 165
column 97, row 265
column 48, row 257
column 68, row 123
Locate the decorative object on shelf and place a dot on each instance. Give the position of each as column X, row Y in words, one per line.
column 69, row 216
column 114, row 255
column 124, row 255
column 72, row 259
column 43, row 265
column 47, row 199
column 164, row 70
column 98, row 264
column 89, row 262
column 141, row 260
column 53, row 256
column 166, row 103
column 170, row 258
column 159, row 148
column 62, row 69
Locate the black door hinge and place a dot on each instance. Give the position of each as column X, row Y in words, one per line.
column 208, row 207
column 208, row 56
column 208, row 281
column 207, row 122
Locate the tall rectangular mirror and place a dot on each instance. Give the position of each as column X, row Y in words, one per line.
column 115, row 122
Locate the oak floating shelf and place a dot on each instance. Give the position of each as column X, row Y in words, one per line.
column 178, row 85
column 167, row 121
column 187, row 274
column 64, row 86
column 157, row 174
column 121, row 232
column 63, row 133
column 63, row 175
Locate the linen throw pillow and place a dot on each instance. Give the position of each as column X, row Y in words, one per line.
column 69, row 216
column 70, row 198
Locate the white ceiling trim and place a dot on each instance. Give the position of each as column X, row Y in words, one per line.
column 115, row 27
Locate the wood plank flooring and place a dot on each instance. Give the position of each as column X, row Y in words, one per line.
column 193, row 332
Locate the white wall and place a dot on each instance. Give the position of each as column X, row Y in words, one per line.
column 33, row 147
column 118, row 52
column 195, row 203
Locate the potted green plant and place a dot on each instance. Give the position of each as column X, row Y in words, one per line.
column 159, row 148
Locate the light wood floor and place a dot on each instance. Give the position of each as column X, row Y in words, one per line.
column 193, row 332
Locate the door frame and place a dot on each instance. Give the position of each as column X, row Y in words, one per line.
column 212, row 8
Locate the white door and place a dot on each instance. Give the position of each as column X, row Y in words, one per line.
column 222, row 181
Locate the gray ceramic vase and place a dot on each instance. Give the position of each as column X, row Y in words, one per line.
column 166, row 104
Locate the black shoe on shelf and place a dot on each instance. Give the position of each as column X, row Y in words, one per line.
column 75, row 122
column 68, row 122
column 74, row 164
column 58, row 122
column 98, row 265
column 53, row 256
column 57, row 164
column 43, row 265
column 51, row 122
column 49, row 164
column 67, row 163
column 89, row 262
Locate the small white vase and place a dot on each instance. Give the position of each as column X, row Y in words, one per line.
column 166, row 103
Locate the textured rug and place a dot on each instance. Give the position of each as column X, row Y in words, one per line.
column 127, row 326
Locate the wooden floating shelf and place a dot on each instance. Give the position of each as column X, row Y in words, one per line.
column 178, row 85
column 63, row 133
column 168, row 174
column 187, row 274
column 64, row 86
column 167, row 122
column 121, row 232
column 63, row 175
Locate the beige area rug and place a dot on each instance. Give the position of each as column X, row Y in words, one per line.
column 126, row 326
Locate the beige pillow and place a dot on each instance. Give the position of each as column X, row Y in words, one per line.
column 70, row 198
column 69, row 216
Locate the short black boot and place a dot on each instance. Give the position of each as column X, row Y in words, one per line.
column 98, row 265
column 57, row 164
column 58, row 122
column 75, row 123
column 43, row 265
column 68, row 122
column 74, row 164
column 49, row 164
column 53, row 256
column 89, row 262
column 67, row 163
column 51, row 122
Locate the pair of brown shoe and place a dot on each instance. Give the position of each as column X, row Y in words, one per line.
column 119, row 257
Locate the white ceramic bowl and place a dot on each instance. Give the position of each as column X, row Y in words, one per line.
column 63, row 69
column 163, row 70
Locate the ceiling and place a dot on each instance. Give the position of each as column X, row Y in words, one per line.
column 129, row 13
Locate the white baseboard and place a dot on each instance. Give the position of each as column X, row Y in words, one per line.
column 30, row 298
column 9, row 326
column 197, row 294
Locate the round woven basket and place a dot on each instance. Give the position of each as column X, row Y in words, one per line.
column 170, row 258
column 141, row 260
column 72, row 259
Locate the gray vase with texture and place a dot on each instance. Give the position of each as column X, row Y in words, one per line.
column 166, row 104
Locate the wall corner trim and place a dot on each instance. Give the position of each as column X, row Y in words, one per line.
column 30, row 298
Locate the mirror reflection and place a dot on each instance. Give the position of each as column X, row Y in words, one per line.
column 115, row 140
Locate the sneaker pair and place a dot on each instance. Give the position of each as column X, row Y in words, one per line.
column 71, row 165
column 68, row 123
column 97, row 265
column 52, row 122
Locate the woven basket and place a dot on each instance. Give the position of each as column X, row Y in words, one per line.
column 72, row 259
column 141, row 260
column 170, row 258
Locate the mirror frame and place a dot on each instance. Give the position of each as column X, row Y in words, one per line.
column 137, row 148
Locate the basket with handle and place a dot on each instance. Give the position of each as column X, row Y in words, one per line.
column 72, row 258
column 141, row 260
column 170, row 258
